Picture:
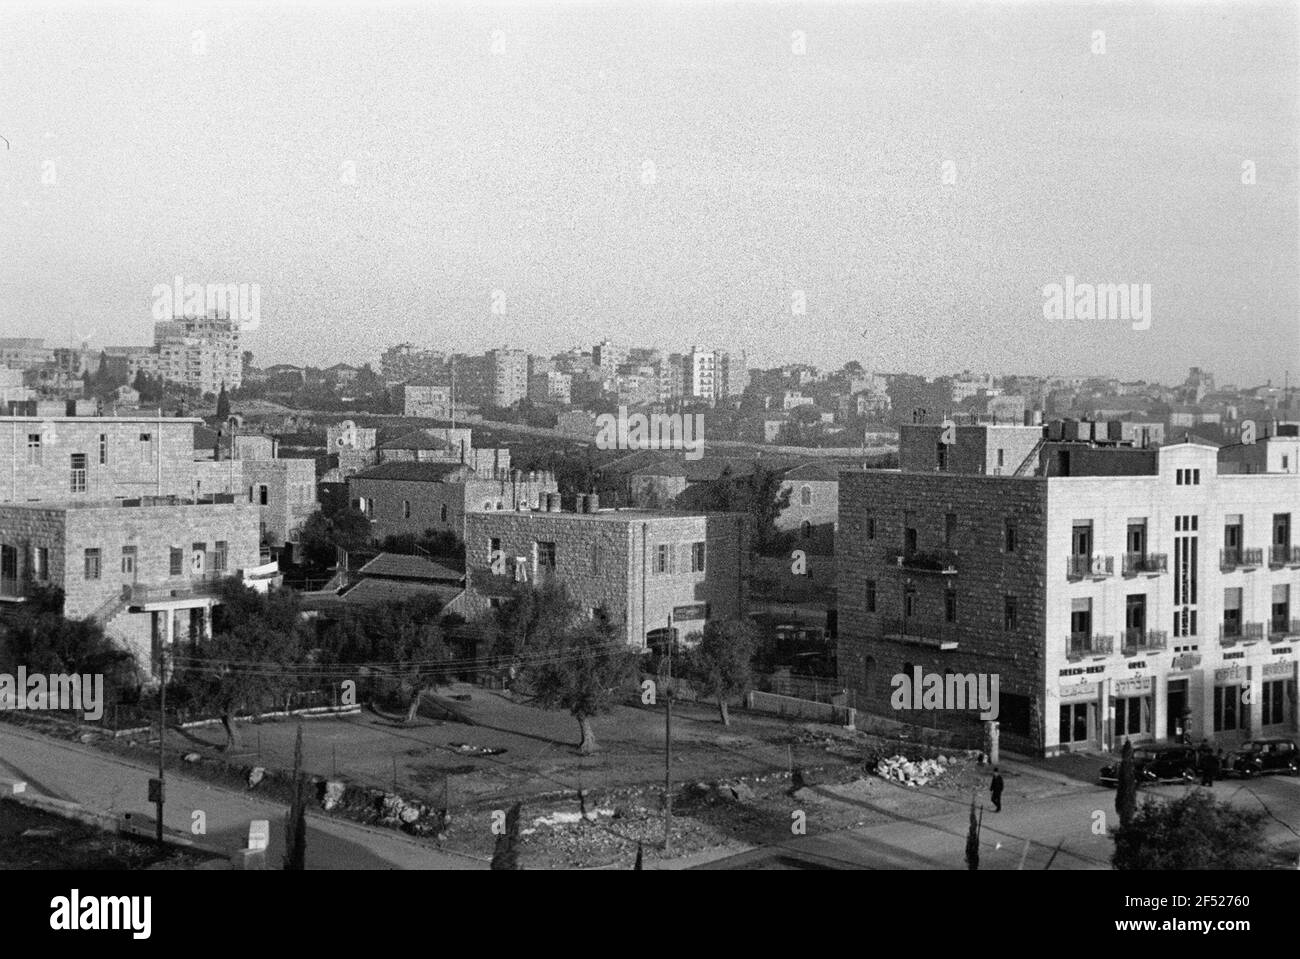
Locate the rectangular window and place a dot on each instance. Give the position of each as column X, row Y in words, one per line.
column 92, row 564
column 1232, row 612
column 78, row 476
column 1080, row 624
column 950, row 606
column 128, row 560
column 263, row 496
column 1281, row 609
column 1227, row 708
column 697, row 557
column 1137, row 537
column 1009, row 536
column 949, row 530
column 871, row 596
column 41, row 563
column 1274, row 710
column 494, row 549
column 103, row 449
column 1135, row 613
column 545, row 555
column 1081, row 538
column 146, row 447
column 871, row 524
column 219, row 556
column 406, row 509
column 33, row 449
column 198, row 558
column 909, row 533
column 661, row 559
column 1002, row 458
column 176, row 563
column 1132, row 715
column 1010, row 613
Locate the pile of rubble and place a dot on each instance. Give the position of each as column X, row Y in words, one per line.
column 900, row 769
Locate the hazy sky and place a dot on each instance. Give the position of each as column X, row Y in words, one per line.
column 505, row 147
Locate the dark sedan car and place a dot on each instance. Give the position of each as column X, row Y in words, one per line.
column 1156, row 764
column 1265, row 756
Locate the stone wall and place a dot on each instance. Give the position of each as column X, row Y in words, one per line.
column 609, row 560
column 130, row 468
column 986, row 574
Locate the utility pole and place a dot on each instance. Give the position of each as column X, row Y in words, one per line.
column 162, row 738
column 668, row 748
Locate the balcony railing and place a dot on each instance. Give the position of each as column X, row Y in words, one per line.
column 12, row 588
column 1141, row 640
column 930, row 561
column 1232, row 633
column 196, row 587
column 1241, row 558
column 1284, row 556
column 912, row 630
column 1077, row 567
column 1280, row 627
column 1136, row 563
column 1078, row 645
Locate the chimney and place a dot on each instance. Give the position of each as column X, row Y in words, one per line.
column 552, row 502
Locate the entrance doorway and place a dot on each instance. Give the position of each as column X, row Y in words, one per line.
column 1175, row 707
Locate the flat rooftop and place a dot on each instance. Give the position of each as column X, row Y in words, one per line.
column 605, row 515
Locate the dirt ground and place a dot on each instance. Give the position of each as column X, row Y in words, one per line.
column 480, row 752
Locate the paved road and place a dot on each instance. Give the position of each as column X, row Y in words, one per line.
column 78, row 773
column 1030, row 831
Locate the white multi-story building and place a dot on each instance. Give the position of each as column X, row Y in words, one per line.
column 202, row 352
column 1117, row 592
column 701, row 369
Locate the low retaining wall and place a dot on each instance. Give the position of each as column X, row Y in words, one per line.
column 800, row 708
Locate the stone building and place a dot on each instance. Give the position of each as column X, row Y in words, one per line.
column 646, row 571
column 95, row 458
column 148, row 570
column 1116, row 592
column 412, row 497
column 426, row 398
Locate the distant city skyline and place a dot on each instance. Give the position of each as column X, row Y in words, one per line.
column 914, row 175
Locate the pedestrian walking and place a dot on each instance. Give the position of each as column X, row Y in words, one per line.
column 1209, row 769
column 995, row 790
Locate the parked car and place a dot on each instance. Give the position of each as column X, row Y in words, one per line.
column 1160, row 763
column 1264, row 756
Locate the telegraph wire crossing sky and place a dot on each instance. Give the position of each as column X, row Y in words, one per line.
column 897, row 184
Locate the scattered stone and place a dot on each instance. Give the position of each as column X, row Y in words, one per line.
column 255, row 776
column 333, row 794
column 191, row 757
column 900, row 769
column 44, row 833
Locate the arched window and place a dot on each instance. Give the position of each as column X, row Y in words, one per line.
column 806, row 528
column 805, row 496
column 444, row 512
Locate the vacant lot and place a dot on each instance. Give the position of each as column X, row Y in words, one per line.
column 505, row 750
